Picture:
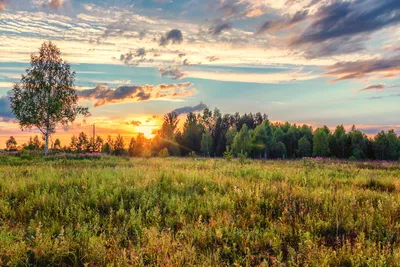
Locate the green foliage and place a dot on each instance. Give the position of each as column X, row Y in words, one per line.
column 243, row 158
column 178, row 212
column 46, row 96
column 321, row 142
column 206, row 144
column 228, row 154
column 242, row 141
column 163, row 153
column 305, row 148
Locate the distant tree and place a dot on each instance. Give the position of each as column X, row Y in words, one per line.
column 83, row 142
column 260, row 140
column 74, row 144
column 242, row 141
column 119, row 146
column 108, row 147
column 206, row 144
column 11, row 144
column 386, row 146
column 46, row 95
column 304, row 148
column 34, row 143
column 358, row 143
column 192, row 133
column 338, row 149
column 168, row 131
column 57, row 145
column 230, row 136
column 98, row 144
column 278, row 150
column 321, row 143
column 131, row 148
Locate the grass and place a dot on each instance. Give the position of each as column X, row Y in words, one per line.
column 198, row 212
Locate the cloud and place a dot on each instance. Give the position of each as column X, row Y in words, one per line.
column 154, row 117
column 286, row 22
column 261, row 78
column 6, row 114
column 134, row 123
column 134, row 58
column 174, row 36
column 2, row 5
column 172, row 72
column 212, row 58
column 54, row 4
column 220, row 27
column 341, row 23
column 377, row 87
column 388, row 67
column 103, row 94
column 185, row 110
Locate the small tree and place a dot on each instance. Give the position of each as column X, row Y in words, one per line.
column 119, row 146
column 46, row 95
column 57, row 145
column 132, row 146
column 11, row 144
column 73, row 146
column 163, row 153
column 108, row 146
column 83, row 142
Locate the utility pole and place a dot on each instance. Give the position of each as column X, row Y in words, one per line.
column 94, row 137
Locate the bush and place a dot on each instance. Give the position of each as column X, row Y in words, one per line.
column 228, row 154
column 192, row 154
column 163, row 153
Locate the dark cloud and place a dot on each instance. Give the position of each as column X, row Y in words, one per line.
column 343, row 26
column 237, row 9
column 184, row 110
column 382, row 97
column 377, row 87
column 344, row 18
column 172, row 37
column 172, row 72
column 220, row 27
column 154, row 117
column 359, row 69
column 103, row 94
column 212, row 58
column 134, row 123
column 135, row 58
column 5, row 108
column 283, row 23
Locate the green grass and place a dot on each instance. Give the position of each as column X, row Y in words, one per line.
column 186, row 212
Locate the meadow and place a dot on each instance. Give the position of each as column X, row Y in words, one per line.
column 111, row 211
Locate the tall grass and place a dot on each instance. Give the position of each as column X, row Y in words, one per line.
column 196, row 212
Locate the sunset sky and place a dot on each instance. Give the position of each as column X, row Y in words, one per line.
column 302, row 61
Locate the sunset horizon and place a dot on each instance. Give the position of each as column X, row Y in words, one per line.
column 284, row 59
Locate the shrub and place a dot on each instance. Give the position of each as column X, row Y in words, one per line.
column 163, row 153
column 192, row 154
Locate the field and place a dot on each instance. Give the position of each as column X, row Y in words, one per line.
column 198, row 212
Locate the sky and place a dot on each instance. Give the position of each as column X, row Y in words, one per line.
column 315, row 62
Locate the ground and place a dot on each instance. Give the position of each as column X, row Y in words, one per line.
column 198, row 212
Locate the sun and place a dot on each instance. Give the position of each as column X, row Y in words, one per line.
column 147, row 130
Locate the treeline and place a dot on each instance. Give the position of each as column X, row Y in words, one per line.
column 212, row 134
